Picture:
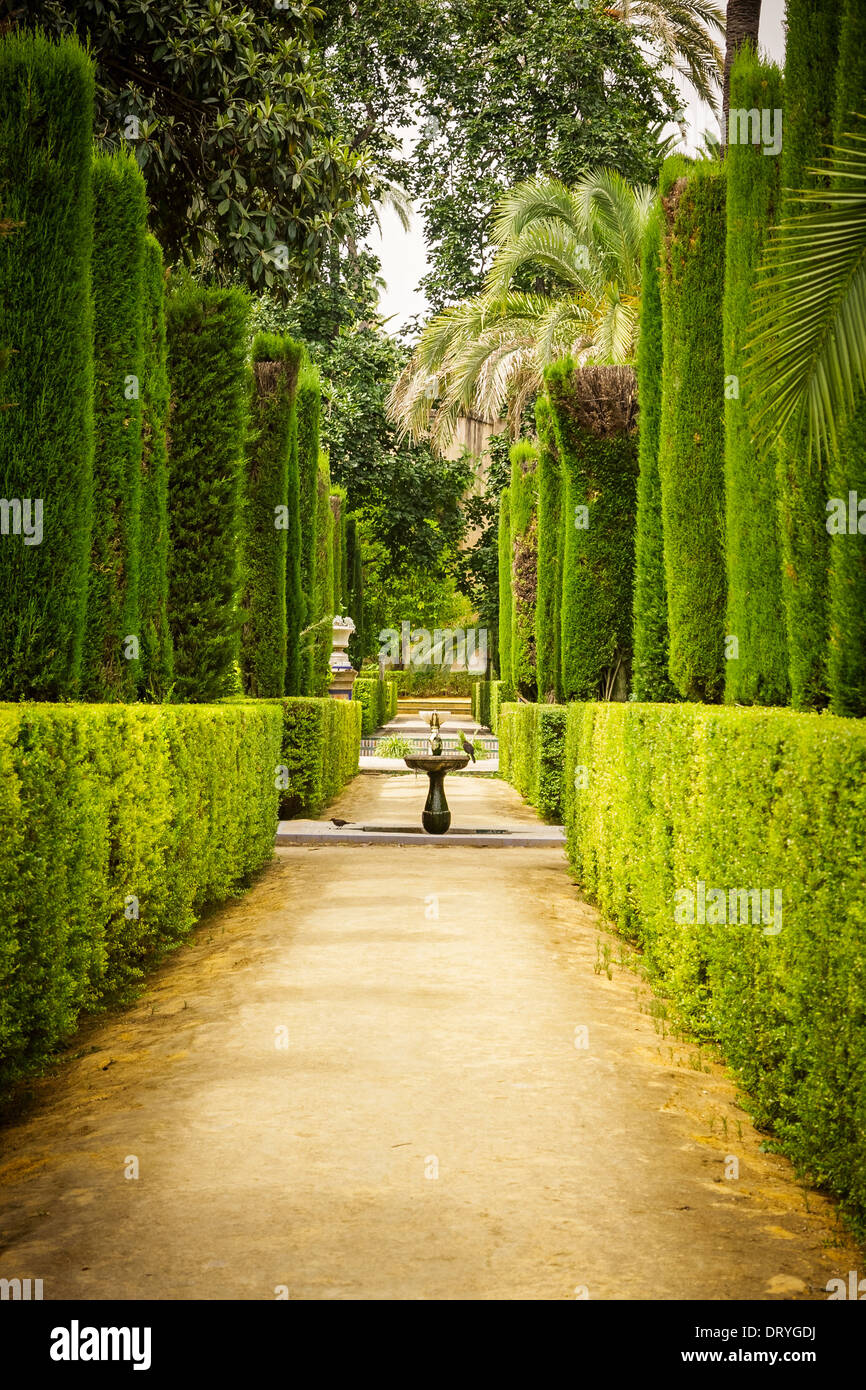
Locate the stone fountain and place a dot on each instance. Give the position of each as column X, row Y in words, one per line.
column 436, row 817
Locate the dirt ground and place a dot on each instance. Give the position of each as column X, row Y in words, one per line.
column 387, row 1073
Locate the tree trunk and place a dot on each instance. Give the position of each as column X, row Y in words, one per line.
column 743, row 22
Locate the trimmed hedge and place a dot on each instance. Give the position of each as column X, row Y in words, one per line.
column 650, row 677
column 532, row 754
column 337, row 502
column 207, row 342
column 109, row 672
column 46, row 436
column 378, row 701
column 504, row 553
column 551, row 540
column 157, row 658
column 120, row 823
column 356, row 586
column 594, row 414
column 434, row 680
column 308, row 408
column 319, row 640
column 271, row 518
column 811, row 50
column 481, row 703
column 523, row 520
column 320, row 748
column 755, row 611
column 692, row 438
column 501, row 692
column 746, row 799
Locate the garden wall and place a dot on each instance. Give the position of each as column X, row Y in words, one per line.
column 665, row 804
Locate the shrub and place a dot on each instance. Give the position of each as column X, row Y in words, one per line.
column 157, row 661
column 551, row 538
column 209, row 392
column 320, row 747
column 395, row 746
column 320, row 639
column 650, row 678
column 532, row 754
column 372, row 695
column 46, row 434
column 356, row 585
column 500, row 693
column 481, row 703
column 594, row 413
column 122, row 821
column 810, row 65
column 434, row 680
column 755, row 612
column 691, row 450
column 523, row 520
column 271, row 519
column 341, row 578
column 308, row 407
column 504, row 631
column 754, row 799
column 113, row 613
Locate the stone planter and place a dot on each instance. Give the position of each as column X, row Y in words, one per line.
column 342, row 672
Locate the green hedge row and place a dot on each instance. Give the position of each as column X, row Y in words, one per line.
column 532, row 754
column 119, row 823
column 434, row 680
column 672, row 797
column 481, row 703
column 46, row 435
column 378, row 701
column 320, row 748
column 500, row 693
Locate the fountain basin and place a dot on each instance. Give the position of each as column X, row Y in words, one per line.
column 436, row 817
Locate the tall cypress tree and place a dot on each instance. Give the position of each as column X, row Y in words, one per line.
column 523, row 517
column 157, row 664
column 692, row 432
column 112, row 644
column 270, row 517
column 46, row 427
column 207, row 344
column 505, row 587
column 810, row 67
column 755, row 610
column 308, row 405
column 650, row 677
column 550, row 547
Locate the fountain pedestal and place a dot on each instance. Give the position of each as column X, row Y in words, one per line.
column 436, row 817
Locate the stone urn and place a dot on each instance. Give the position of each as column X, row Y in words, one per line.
column 342, row 671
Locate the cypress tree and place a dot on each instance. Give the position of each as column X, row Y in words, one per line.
column 308, row 405
column 157, row 663
column 46, row 426
column 594, row 414
column 323, row 587
column 338, row 512
column 692, row 435
column 847, row 654
column 810, row 66
column 268, row 516
column 650, row 678
column 755, row 610
column 356, row 587
column 505, row 587
column 550, row 546
column 523, row 518
column 207, row 341
column 295, row 605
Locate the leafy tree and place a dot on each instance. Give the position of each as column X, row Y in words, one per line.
column 231, row 118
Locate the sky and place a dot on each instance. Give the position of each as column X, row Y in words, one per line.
column 403, row 254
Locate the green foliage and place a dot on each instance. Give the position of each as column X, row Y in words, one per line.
column 210, row 394
column 505, row 597
column 319, row 639
column 847, row 659
column 122, row 822
column 378, row 701
column 500, row 693
column 650, row 678
column 46, row 425
column 810, row 66
column 337, row 502
column 320, row 747
column 355, row 567
column 755, row 612
column 395, row 746
column 691, row 448
column 157, row 658
column 532, row 754
column 113, row 614
column 746, row 799
column 271, row 519
column 593, row 412
column 308, row 408
column 551, row 541
column 481, row 703
column 523, row 520
column 433, row 680
column 236, row 130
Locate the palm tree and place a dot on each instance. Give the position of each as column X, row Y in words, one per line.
column 743, row 23
column 807, row 355
column 679, row 32
column 565, row 279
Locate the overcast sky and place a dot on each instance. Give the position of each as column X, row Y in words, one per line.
column 403, row 254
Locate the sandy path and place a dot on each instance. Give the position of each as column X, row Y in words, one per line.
column 429, row 1130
